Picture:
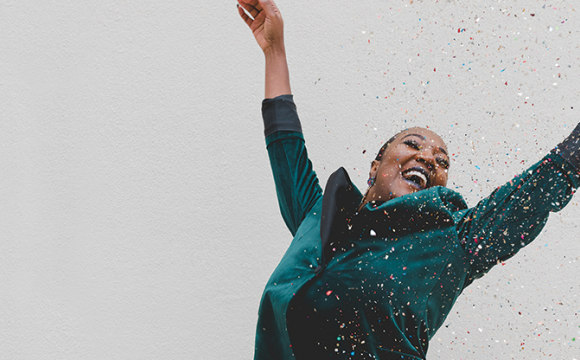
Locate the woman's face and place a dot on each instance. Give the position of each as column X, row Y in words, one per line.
column 417, row 159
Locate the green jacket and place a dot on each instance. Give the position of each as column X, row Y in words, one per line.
column 379, row 283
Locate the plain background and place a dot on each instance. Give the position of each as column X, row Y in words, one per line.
column 138, row 218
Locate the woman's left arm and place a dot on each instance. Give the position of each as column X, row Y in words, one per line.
column 515, row 213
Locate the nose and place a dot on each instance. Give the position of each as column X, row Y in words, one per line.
column 426, row 156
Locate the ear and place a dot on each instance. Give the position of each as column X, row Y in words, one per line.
column 374, row 168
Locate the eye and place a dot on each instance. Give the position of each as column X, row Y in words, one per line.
column 413, row 144
column 443, row 163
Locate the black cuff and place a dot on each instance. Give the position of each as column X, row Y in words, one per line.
column 569, row 149
column 280, row 113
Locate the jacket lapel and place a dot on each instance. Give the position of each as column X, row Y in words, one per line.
column 339, row 203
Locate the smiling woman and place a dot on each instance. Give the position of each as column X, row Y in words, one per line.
column 375, row 276
column 413, row 160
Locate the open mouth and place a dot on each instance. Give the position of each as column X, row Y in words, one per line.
column 417, row 176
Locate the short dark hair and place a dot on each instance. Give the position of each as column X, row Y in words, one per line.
column 384, row 147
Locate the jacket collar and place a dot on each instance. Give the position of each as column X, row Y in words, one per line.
column 423, row 210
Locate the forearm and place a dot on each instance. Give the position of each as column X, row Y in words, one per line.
column 515, row 213
column 277, row 75
column 296, row 182
column 569, row 149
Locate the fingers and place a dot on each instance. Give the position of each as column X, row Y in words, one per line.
column 251, row 6
column 244, row 16
column 254, row 3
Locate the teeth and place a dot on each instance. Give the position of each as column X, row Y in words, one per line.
column 408, row 174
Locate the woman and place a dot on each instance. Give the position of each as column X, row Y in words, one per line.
column 375, row 276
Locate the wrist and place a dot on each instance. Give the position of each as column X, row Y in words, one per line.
column 275, row 52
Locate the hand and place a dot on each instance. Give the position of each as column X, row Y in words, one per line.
column 267, row 26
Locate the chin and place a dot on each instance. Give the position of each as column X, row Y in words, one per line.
column 405, row 190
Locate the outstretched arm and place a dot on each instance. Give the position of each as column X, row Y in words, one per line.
column 297, row 185
column 268, row 29
column 515, row 213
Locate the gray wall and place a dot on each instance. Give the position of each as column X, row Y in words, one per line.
column 138, row 218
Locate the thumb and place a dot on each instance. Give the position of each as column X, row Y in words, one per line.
column 269, row 7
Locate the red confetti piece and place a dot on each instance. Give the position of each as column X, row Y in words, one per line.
column 328, row 292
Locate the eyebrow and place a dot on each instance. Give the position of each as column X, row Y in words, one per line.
column 419, row 136
column 423, row 138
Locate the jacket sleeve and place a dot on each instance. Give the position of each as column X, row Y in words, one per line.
column 297, row 185
column 515, row 213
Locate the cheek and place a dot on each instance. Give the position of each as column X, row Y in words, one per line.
column 388, row 173
column 441, row 178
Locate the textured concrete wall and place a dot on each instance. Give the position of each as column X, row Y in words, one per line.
column 138, row 218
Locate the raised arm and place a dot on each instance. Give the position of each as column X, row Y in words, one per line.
column 297, row 185
column 268, row 29
column 515, row 213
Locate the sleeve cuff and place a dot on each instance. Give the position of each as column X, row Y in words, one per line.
column 569, row 149
column 280, row 114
